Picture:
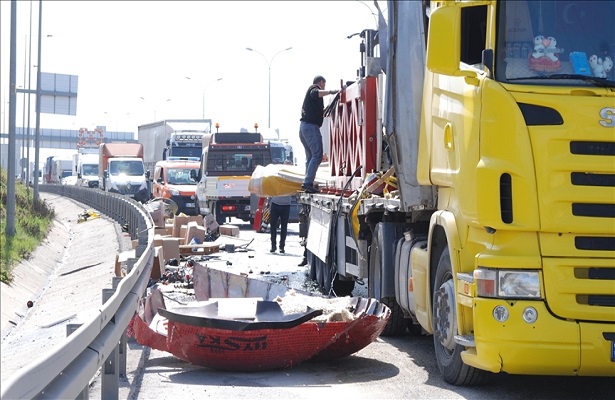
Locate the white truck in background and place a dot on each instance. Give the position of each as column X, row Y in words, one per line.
column 227, row 164
column 121, row 170
column 179, row 139
column 60, row 169
column 36, row 172
column 85, row 167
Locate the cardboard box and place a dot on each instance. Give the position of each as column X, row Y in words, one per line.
column 158, row 239
column 160, row 231
column 229, row 230
column 156, row 211
column 178, row 221
column 168, row 229
column 205, row 248
column 170, row 248
column 158, row 267
column 193, row 230
column 134, row 243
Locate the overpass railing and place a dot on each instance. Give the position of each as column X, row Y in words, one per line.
column 65, row 371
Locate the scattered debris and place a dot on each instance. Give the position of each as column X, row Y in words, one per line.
column 87, row 215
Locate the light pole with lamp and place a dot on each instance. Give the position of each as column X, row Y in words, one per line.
column 203, row 91
column 166, row 101
column 269, row 62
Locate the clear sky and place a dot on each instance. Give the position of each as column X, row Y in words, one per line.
column 132, row 58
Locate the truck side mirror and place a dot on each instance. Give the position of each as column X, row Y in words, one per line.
column 147, row 174
column 105, row 173
column 193, row 175
column 444, row 43
column 79, row 175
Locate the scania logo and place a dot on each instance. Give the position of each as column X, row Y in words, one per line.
column 608, row 117
column 128, row 186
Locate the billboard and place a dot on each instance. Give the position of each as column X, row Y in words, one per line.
column 59, row 94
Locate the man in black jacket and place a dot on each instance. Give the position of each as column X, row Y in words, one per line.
column 309, row 130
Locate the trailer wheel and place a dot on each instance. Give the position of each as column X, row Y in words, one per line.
column 397, row 323
column 342, row 288
column 448, row 353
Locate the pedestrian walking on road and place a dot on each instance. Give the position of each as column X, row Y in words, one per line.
column 279, row 209
column 309, row 130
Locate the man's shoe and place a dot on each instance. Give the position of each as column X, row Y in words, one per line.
column 281, row 251
column 272, row 250
column 311, row 189
column 303, row 263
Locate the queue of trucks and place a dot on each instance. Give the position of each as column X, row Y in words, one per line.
column 475, row 195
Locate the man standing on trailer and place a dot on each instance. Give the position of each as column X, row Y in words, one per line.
column 309, row 130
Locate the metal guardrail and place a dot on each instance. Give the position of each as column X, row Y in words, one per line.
column 65, row 371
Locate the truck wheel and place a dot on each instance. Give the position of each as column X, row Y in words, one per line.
column 397, row 323
column 342, row 288
column 448, row 353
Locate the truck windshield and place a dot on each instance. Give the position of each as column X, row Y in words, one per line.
column 231, row 162
column 90, row 169
column 278, row 155
column 179, row 176
column 132, row 168
column 556, row 42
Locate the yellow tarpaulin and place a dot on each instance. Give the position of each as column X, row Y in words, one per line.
column 277, row 180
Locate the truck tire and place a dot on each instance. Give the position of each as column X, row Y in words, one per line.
column 397, row 323
column 448, row 353
column 342, row 287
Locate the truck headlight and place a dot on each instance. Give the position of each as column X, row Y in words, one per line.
column 174, row 192
column 507, row 284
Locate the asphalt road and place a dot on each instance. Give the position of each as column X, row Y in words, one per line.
column 390, row 368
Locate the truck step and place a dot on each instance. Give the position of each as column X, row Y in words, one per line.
column 465, row 340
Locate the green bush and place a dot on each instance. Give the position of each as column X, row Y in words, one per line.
column 33, row 220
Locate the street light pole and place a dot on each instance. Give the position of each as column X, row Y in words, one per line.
column 203, row 91
column 166, row 101
column 269, row 62
column 37, row 137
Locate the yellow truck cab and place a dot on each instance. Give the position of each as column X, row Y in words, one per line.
column 172, row 180
column 491, row 125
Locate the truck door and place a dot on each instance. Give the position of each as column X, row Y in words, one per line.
column 453, row 111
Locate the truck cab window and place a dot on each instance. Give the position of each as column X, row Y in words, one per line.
column 473, row 34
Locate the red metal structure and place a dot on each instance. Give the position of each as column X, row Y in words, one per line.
column 353, row 133
column 90, row 138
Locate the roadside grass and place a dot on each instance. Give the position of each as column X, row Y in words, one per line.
column 33, row 220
